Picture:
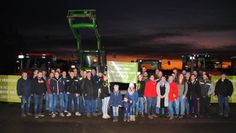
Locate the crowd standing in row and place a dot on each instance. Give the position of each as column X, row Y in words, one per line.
column 178, row 95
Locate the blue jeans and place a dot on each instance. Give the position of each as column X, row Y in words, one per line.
column 181, row 102
column 132, row 109
column 126, row 115
column 223, row 105
column 38, row 104
column 25, row 104
column 99, row 104
column 172, row 107
column 66, row 101
column 151, row 105
column 61, row 102
column 140, row 105
column 186, row 105
column 82, row 104
column 50, row 101
column 105, row 105
column 90, row 106
column 115, row 111
column 47, row 101
column 73, row 102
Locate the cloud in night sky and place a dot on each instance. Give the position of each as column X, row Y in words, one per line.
column 168, row 28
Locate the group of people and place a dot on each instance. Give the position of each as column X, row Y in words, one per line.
column 70, row 93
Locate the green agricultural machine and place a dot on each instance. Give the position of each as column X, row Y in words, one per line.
column 94, row 57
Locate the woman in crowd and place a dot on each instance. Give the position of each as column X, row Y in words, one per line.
column 132, row 95
column 105, row 95
column 115, row 102
column 193, row 95
column 163, row 89
column 183, row 89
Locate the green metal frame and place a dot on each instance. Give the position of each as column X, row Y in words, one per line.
column 76, row 26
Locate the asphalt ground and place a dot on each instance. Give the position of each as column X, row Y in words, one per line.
column 12, row 122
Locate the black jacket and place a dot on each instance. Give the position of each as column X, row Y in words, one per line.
column 57, row 85
column 39, row 86
column 140, row 88
column 194, row 90
column 224, row 88
column 24, row 87
column 90, row 89
column 105, row 92
column 73, row 85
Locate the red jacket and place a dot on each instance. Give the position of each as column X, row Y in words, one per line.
column 173, row 93
column 150, row 89
column 49, row 90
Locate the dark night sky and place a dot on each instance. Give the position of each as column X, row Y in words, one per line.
column 158, row 27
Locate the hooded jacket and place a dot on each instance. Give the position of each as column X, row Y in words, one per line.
column 132, row 97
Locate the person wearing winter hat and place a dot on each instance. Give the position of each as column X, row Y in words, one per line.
column 132, row 95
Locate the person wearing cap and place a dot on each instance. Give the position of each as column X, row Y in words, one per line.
column 132, row 95
column 224, row 90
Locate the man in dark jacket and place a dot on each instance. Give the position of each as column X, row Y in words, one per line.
column 39, row 90
column 207, row 89
column 24, row 93
column 193, row 95
column 73, row 91
column 90, row 95
column 224, row 90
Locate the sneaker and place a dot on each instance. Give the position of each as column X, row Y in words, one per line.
column 41, row 115
column 104, row 117
column 36, row 116
column 29, row 114
column 142, row 115
column 94, row 115
column 23, row 115
column 155, row 116
column 66, row 111
column 108, row 116
column 150, row 117
column 68, row 114
column 53, row 115
column 181, row 117
column 77, row 114
column 115, row 120
column 62, row 115
column 171, row 118
column 88, row 115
